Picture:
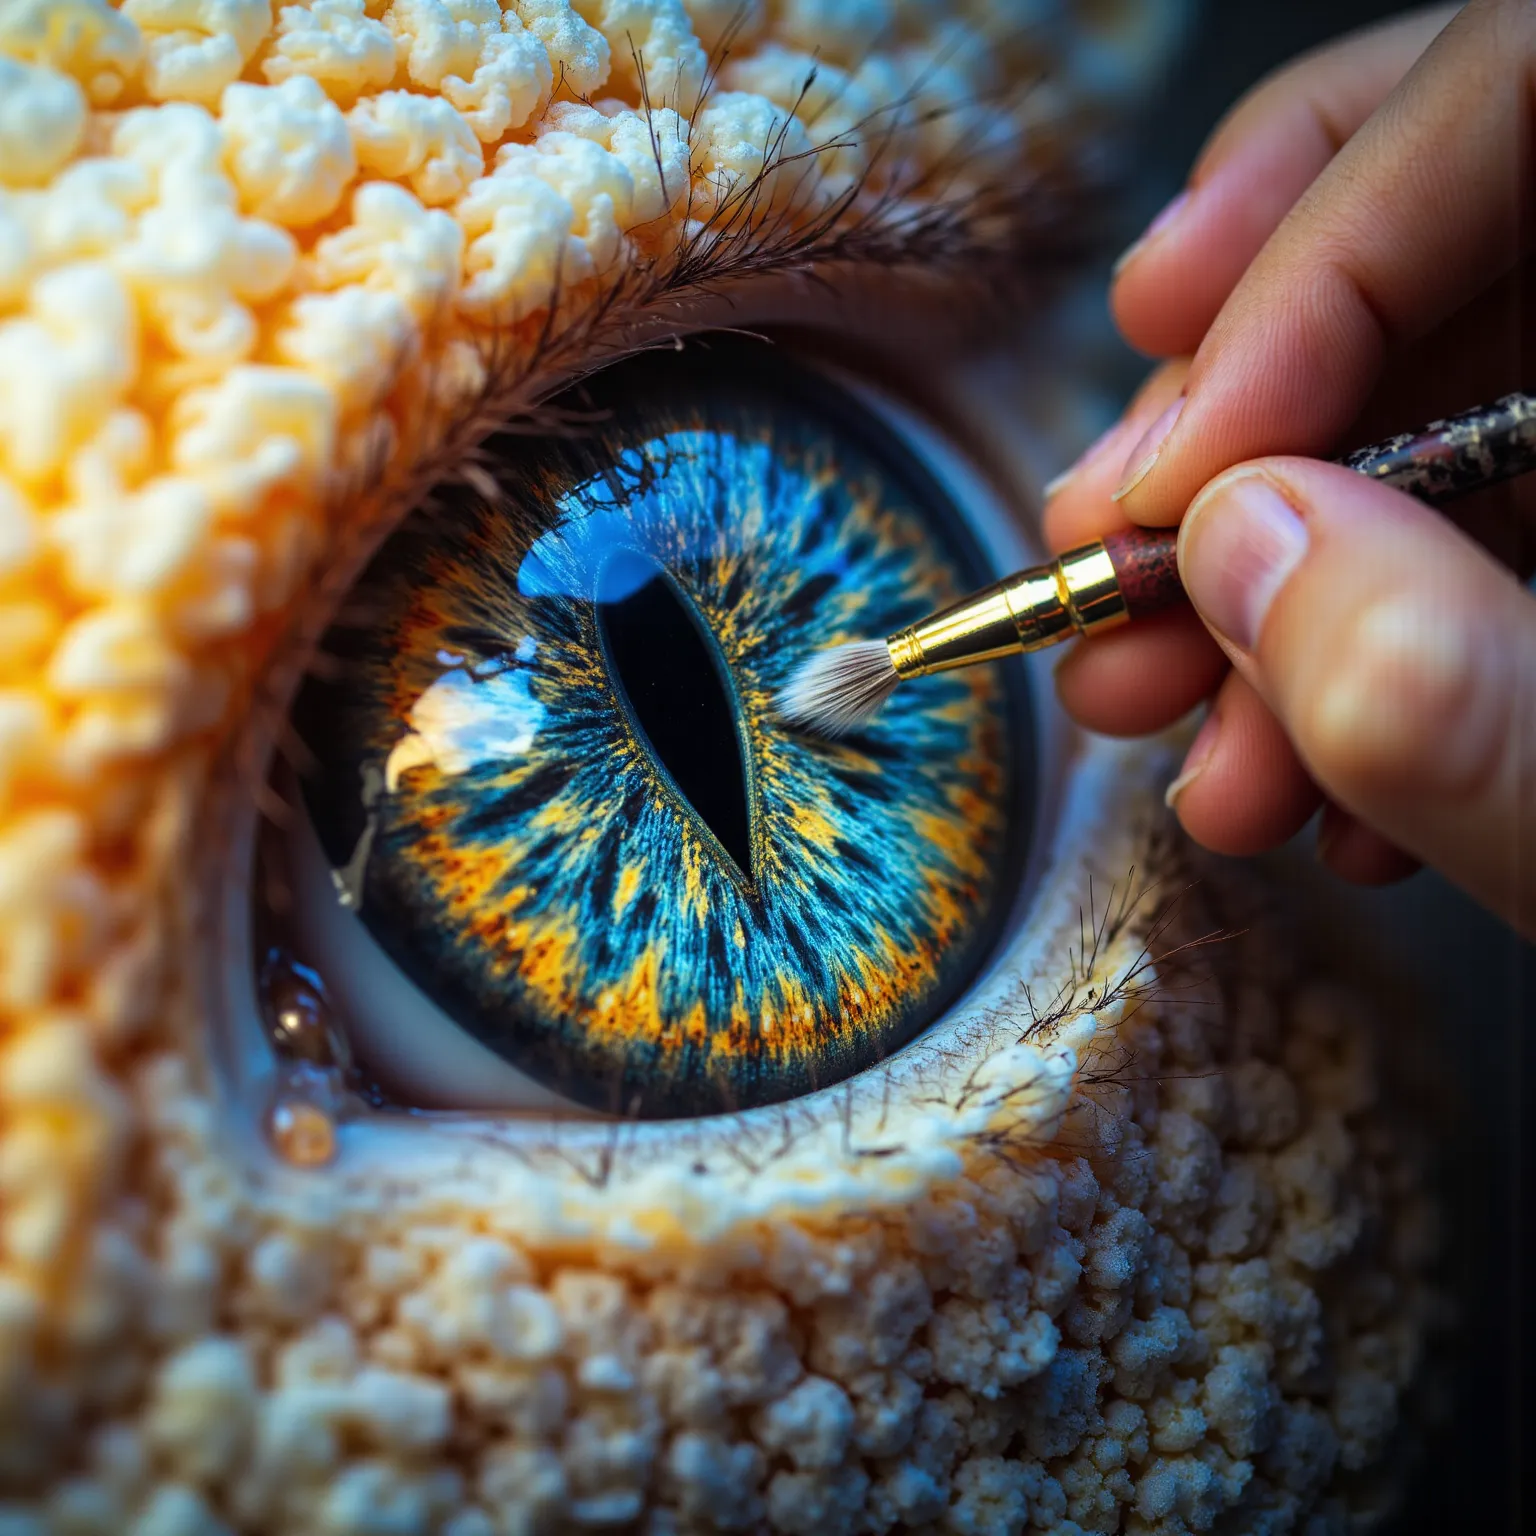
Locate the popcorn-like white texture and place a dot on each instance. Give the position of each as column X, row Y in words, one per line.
column 422, row 138
column 738, row 137
column 839, row 107
column 993, row 1345
column 64, row 363
column 83, row 214
column 135, row 543
column 836, row 28
column 811, row 1424
column 117, row 648
column 42, row 120
column 194, row 48
column 393, row 245
column 653, row 39
column 477, row 1300
column 356, row 342
column 594, row 184
column 195, row 264
column 556, row 211
column 578, row 53
column 258, row 429
column 86, row 39
column 335, row 42
column 477, row 56
column 204, row 1400
column 651, row 146
column 214, row 310
column 992, row 1498
column 18, row 530
column 288, row 150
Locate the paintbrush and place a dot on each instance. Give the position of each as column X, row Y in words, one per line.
column 1127, row 575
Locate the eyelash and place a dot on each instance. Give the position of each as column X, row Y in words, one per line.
column 989, row 238
column 752, row 1143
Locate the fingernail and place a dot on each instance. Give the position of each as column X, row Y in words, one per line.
column 1150, row 233
column 1240, row 540
column 1195, row 760
column 1082, row 461
column 1144, row 455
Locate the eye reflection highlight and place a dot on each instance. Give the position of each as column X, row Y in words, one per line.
column 550, row 766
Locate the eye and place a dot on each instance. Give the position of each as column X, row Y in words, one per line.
column 556, row 844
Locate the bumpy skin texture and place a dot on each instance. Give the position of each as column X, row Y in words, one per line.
column 1066, row 1266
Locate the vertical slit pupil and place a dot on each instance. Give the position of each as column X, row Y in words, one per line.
column 666, row 668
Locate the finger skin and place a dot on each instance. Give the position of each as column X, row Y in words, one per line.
column 1142, row 678
column 1425, row 206
column 1358, row 853
column 1251, row 792
column 1400, row 660
column 1112, row 686
column 1080, row 506
column 1260, row 160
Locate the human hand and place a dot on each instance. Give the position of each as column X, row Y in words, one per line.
column 1348, row 262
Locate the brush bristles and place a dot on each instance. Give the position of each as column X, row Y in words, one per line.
column 838, row 690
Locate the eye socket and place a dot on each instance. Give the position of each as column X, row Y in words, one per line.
column 558, row 847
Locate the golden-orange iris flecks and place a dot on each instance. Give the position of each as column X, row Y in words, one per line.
column 535, row 867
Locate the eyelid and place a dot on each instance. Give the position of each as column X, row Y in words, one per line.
column 574, row 1178
column 880, row 1138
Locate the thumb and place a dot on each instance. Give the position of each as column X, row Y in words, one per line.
column 1399, row 658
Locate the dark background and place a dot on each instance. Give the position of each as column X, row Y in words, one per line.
column 1235, row 44
column 1472, row 1474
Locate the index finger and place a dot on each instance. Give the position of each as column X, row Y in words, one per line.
column 1169, row 286
column 1428, row 204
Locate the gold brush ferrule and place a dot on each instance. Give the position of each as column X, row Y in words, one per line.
column 1078, row 594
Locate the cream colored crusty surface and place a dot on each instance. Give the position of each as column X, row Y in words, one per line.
column 1135, row 1251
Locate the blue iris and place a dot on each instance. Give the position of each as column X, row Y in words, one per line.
column 593, row 843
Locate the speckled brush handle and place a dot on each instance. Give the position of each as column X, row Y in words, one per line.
column 1436, row 463
column 1462, row 453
